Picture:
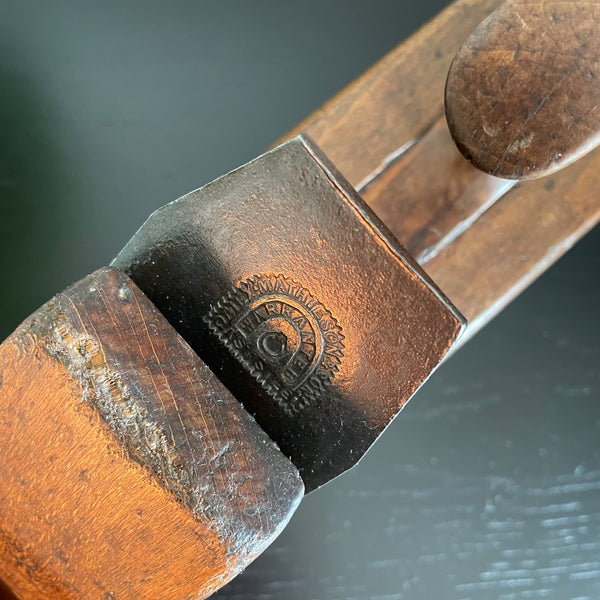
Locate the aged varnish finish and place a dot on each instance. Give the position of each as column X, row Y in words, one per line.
column 522, row 94
column 92, row 398
column 128, row 470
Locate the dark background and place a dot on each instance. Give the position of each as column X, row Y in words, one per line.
column 488, row 484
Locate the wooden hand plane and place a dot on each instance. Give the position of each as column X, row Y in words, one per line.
column 113, row 422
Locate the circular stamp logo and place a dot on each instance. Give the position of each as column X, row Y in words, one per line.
column 289, row 342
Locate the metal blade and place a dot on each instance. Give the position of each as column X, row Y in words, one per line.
column 310, row 312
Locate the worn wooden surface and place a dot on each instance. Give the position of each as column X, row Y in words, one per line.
column 389, row 108
column 127, row 469
column 522, row 94
column 481, row 239
column 486, row 486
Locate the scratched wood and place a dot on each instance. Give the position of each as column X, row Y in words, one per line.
column 490, row 489
column 522, row 94
column 386, row 133
column 127, row 470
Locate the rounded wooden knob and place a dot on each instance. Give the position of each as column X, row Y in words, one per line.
column 523, row 92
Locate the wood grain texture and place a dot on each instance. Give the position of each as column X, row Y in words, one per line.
column 517, row 239
column 387, row 110
column 487, row 487
column 523, row 96
column 447, row 504
column 432, row 195
column 481, row 239
column 128, row 471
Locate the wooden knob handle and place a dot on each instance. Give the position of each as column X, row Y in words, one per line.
column 523, row 92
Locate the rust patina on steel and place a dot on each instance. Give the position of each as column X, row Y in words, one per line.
column 300, row 300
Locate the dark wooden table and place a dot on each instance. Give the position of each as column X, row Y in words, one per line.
column 488, row 484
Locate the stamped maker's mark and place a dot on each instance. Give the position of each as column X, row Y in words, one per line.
column 289, row 342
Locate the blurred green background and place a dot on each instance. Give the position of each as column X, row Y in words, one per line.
column 488, row 484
